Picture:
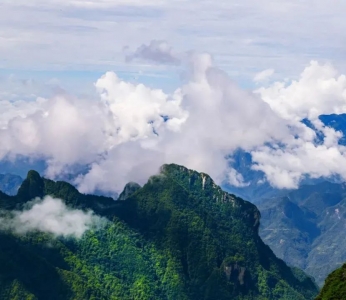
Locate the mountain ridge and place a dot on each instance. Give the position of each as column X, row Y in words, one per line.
column 177, row 237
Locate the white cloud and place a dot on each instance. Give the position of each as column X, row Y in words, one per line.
column 52, row 216
column 264, row 75
column 138, row 111
column 320, row 89
column 62, row 130
column 293, row 158
column 209, row 119
column 284, row 168
column 130, row 130
column 236, row 179
column 131, row 161
column 13, row 109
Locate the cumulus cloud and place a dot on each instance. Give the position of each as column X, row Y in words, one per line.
column 138, row 111
column 52, row 216
column 287, row 164
column 53, row 129
column 264, row 75
column 285, row 167
column 320, row 89
column 205, row 121
column 130, row 130
column 13, row 109
column 156, row 51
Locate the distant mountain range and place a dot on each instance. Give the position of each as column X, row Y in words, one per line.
column 306, row 228
column 9, row 183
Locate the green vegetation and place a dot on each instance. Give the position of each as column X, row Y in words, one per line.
column 335, row 286
column 178, row 237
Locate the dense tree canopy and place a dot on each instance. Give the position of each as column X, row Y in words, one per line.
column 178, row 237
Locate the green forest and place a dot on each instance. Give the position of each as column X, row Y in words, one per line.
column 335, row 285
column 177, row 237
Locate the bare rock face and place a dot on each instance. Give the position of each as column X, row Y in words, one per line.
column 235, row 271
column 129, row 190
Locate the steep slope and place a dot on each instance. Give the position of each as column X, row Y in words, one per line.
column 129, row 189
column 335, row 285
column 192, row 216
column 289, row 230
column 178, row 237
column 114, row 262
column 306, row 228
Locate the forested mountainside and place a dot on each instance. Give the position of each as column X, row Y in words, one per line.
column 306, row 228
column 335, row 285
column 177, row 237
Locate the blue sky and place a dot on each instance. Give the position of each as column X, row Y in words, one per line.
column 77, row 40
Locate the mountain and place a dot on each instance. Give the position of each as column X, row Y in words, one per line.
column 177, row 237
column 129, row 189
column 335, row 285
column 9, row 184
column 306, row 227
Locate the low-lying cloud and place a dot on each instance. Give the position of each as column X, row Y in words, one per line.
column 52, row 216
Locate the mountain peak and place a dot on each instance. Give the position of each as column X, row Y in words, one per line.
column 203, row 187
column 33, row 175
column 32, row 187
column 187, row 176
column 129, row 189
column 213, row 234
